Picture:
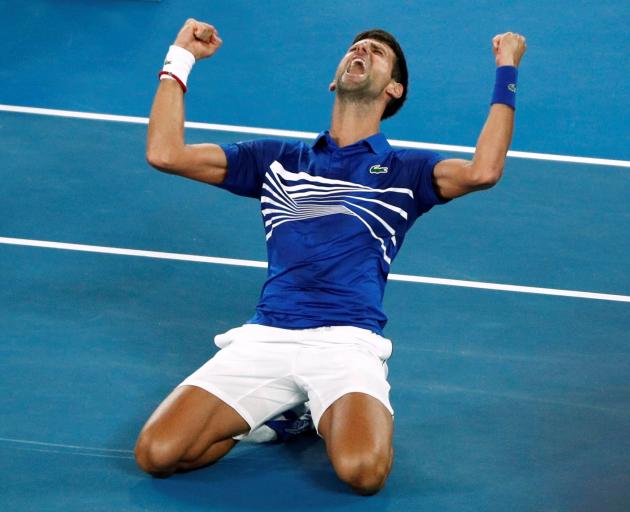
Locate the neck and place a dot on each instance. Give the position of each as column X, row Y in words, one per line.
column 353, row 121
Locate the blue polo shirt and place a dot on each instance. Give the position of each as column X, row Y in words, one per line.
column 334, row 219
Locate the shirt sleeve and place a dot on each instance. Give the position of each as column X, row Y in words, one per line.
column 246, row 167
column 425, row 195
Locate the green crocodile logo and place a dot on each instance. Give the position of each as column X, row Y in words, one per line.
column 377, row 169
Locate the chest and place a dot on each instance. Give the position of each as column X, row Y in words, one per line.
column 366, row 189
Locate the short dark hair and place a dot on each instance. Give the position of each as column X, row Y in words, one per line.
column 399, row 72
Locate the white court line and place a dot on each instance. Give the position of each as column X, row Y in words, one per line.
column 90, row 451
column 133, row 252
column 262, row 264
column 58, row 445
column 81, row 454
column 272, row 132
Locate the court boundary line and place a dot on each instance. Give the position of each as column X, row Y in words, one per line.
column 262, row 264
column 59, row 445
column 75, row 453
column 68, row 449
column 273, row 132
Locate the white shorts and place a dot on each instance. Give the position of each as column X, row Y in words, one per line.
column 262, row 371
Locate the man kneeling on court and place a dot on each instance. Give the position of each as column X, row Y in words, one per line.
column 335, row 213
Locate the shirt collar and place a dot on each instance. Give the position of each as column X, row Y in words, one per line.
column 377, row 142
column 321, row 138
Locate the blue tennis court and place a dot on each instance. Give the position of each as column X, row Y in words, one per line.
column 510, row 378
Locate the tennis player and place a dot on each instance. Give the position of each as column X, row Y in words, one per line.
column 335, row 215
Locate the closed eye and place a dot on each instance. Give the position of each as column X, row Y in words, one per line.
column 378, row 50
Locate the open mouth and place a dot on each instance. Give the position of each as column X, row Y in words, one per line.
column 356, row 67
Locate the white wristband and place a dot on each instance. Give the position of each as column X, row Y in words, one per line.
column 177, row 65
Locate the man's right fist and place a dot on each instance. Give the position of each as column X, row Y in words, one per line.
column 200, row 39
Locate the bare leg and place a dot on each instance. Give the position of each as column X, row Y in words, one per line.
column 191, row 428
column 358, row 432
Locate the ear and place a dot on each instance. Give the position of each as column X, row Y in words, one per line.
column 332, row 86
column 395, row 89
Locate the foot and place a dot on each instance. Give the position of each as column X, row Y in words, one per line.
column 289, row 425
column 286, row 427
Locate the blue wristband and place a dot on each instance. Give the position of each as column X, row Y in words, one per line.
column 505, row 86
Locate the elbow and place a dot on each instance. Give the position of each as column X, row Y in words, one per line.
column 487, row 178
column 161, row 160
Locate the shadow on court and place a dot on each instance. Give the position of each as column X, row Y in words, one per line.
column 254, row 477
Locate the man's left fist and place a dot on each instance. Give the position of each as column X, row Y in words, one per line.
column 508, row 48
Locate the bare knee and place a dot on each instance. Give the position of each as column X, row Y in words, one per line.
column 366, row 472
column 156, row 456
column 191, row 428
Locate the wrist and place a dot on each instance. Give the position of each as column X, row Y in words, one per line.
column 505, row 86
column 506, row 61
column 177, row 65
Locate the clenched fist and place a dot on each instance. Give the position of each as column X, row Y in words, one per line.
column 200, row 39
column 508, row 48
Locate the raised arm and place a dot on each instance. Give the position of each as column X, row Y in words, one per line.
column 456, row 177
column 166, row 149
